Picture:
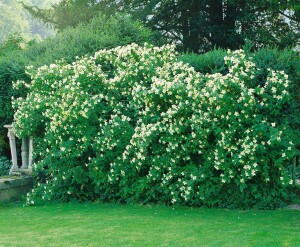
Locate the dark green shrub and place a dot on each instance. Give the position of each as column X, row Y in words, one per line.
column 289, row 62
column 5, row 166
column 210, row 62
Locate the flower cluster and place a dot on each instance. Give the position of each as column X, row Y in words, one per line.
column 134, row 124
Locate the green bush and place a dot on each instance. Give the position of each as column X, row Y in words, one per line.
column 100, row 33
column 289, row 62
column 133, row 124
column 5, row 165
column 210, row 62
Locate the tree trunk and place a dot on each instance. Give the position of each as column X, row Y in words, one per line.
column 194, row 40
column 190, row 27
column 216, row 24
column 185, row 29
column 231, row 37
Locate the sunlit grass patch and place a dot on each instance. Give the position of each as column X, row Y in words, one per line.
column 95, row 224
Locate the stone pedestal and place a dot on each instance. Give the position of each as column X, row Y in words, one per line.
column 14, row 187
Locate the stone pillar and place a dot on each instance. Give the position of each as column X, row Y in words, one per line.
column 24, row 153
column 30, row 151
column 13, row 148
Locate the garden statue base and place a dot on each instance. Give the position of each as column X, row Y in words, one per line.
column 12, row 187
column 20, row 171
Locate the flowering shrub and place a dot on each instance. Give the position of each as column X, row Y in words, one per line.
column 132, row 124
column 101, row 32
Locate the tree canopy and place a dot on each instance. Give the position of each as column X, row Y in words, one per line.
column 14, row 19
column 194, row 25
column 69, row 13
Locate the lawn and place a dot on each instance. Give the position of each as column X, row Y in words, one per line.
column 95, row 224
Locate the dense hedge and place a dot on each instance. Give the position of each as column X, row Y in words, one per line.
column 100, row 33
column 132, row 124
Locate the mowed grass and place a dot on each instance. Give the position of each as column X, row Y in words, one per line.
column 95, row 224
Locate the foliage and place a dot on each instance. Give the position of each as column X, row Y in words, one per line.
column 286, row 60
column 5, row 166
column 14, row 19
column 132, row 124
column 210, row 62
column 13, row 42
column 194, row 25
column 102, row 32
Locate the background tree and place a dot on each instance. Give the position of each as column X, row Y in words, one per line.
column 194, row 25
column 201, row 25
column 36, row 26
column 69, row 13
column 14, row 19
